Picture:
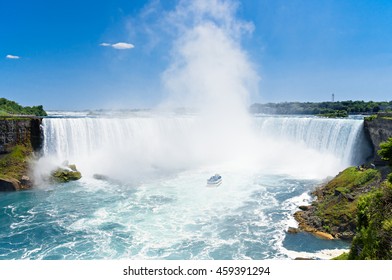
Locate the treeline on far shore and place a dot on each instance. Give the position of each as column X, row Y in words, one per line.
column 9, row 108
column 327, row 109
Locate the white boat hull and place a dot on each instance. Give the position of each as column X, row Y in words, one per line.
column 214, row 184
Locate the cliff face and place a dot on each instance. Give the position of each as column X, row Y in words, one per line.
column 20, row 137
column 379, row 130
column 19, row 130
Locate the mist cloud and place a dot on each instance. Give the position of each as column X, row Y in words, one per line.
column 208, row 63
column 211, row 72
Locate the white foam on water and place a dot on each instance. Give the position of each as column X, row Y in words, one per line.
column 326, row 254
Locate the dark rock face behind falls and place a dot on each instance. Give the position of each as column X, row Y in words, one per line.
column 20, row 138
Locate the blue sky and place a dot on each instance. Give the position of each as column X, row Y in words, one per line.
column 51, row 52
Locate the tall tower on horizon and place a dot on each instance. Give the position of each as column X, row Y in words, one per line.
column 333, row 97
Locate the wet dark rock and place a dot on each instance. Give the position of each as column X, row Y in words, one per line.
column 7, row 185
column 293, row 230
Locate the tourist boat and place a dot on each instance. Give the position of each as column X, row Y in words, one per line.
column 214, row 181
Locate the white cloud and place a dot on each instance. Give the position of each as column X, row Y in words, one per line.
column 10, row 56
column 123, row 46
column 119, row 45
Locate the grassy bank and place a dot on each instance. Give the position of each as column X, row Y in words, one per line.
column 337, row 206
column 15, row 163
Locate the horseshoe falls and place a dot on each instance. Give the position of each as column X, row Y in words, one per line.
column 150, row 200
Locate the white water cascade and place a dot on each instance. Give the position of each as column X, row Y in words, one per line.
column 151, row 145
column 343, row 138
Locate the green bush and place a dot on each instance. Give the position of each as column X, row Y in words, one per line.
column 373, row 240
column 385, row 151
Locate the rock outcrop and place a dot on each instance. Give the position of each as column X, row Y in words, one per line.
column 379, row 129
column 66, row 173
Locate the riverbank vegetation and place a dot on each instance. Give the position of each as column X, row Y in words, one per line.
column 8, row 107
column 326, row 109
column 338, row 199
column 374, row 219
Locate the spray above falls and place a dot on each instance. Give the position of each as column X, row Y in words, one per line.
column 209, row 69
column 212, row 73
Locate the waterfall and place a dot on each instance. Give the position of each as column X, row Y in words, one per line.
column 344, row 138
column 75, row 137
column 147, row 144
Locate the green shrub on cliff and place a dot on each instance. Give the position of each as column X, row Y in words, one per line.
column 385, row 151
column 374, row 226
column 8, row 107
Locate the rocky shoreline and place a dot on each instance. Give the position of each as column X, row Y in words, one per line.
column 333, row 214
column 336, row 212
